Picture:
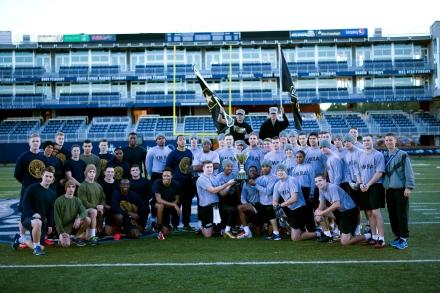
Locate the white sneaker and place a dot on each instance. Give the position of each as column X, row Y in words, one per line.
column 244, row 235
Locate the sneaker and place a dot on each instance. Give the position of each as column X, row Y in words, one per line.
column 276, row 237
column 371, row 241
column 117, row 236
column 160, row 236
column 16, row 241
column 48, row 242
column 393, row 243
column 188, row 228
column 93, row 241
column 38, row 251
column 324, row 239
column 336, row 236
column 401, row 244
column 244, row 235
column 228, row 234
column 379, row 244
column 78, row 242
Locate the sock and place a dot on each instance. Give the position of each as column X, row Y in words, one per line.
column 92, row 232
column 227, row 228
column 375, row 236
column 318, row 233
column 381, row 238
column 276, row 232
column 328, row 233
column 358, row 229
column 404, row 239
column 36, row 245
column 336, row 231
column 247, row 230
column 367, row 236
column 332, row 226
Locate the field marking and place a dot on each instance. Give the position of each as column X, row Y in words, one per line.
column 209, row 264
column 422, row 203
column 417, row 209
column 437, row 213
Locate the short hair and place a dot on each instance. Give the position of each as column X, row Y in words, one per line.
column 75, row 146
column 275, row 138
column 353, row 127
column 88, row 168
column 313, row 133
column 180, row 135
column 301, row 152
column 34, row 135
column 87, row 141
column 59, row 133
column 253, row 133
column 132, row 133
column 268, row 139
column 68, row 183
column 168, row 169
column 103, row 140
column 49, row 169
column 206, row 162
column 135, row 166
column 302, row 133
column 390, row 134
column 320, row 175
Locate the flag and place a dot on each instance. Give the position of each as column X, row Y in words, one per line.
column 288, row 86
column 215, row 104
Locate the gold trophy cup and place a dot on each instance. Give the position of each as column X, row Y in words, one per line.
column 241, row 158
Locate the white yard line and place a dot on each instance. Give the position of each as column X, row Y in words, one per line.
column 209, row 264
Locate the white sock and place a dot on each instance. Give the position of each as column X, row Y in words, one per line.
column 367, row 236
column 336, row 231
column 328, row 233
column 381, row 238
column 247, row 230
column 375, row 236
column 276, row 232
column 227, row 228
column 92, row 232
column 318, row 233
column 36, row 245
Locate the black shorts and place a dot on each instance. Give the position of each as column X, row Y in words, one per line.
column 348, row 221
column 374, row 198
column 266, row 212
column 296, row 218
column 205, row 216
column 169, row 216
column 27, row 224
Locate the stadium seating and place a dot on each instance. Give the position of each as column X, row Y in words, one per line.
column 74, row 98
column 257, row 95
column 149, row 126
column 18, row 129
column 332, row 94
column 29, row 99
column 411, row 93
column 104, row 70
column 397, row 122
column 378, row 65
column 112, row 128
column 410, row 64
column 333, row 66
column 150, row 70
column 222, row 70
column 379, row 94
column 5, row 72
column 181, row 70
column 151, row 97
column 73, row 127
column 66, row 71
column 257, row 69
column 29, row 72
column 340, row 122
column 428, row 123
column 199, row 124
column 105, row 98
column 302, row 67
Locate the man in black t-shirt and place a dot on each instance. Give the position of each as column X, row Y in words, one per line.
column 167, row 196
column 240, row 129
column 74, row 167
column 135, row 154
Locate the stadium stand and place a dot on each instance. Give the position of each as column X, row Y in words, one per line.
column 112, row 128
column 150, row 70
column 73, row 128
column 18, row 129
column 5, row 71
column 340, row 122
column 295, row 67
column 74, row 99
column 428, row 123
column 333, row 66
column 29, row 72
column 396, row 121
column 378, row 64
column 222, row 70
column 70, row 71
column 104, row 70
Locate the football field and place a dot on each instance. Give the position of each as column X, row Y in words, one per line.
column 187, row 262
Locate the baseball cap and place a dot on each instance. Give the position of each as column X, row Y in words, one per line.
column 324, row 144
column 266, row 163
column 273, row 110
column 349, row 138
column 240, row 111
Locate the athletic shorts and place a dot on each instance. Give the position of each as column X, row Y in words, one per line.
column 169, row 214
column 205, row 216
column 266, row 212
column 296, row 218
column 348, row 221
column 27, row 224
column 374, row 198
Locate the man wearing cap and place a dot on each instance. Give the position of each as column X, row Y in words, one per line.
column 240, row 127
column 206, row 155
column 157, row 158
column 293, row 204
column 272, row 126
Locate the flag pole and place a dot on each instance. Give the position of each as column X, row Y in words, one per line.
column 174, row 92
column 230, row 80
column 280, row 82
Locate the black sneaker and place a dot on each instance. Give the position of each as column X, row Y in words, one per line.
column 16, row 241
column 324, row 239
column 78, row 242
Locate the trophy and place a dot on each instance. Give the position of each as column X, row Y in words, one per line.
column 241, row 158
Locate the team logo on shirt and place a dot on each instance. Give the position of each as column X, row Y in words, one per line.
column 36, row 168
column 184, row 165
column 119, row 171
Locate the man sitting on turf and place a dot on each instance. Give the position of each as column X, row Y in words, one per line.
column 167, row 192
column 71, row 216
column 343, row 206
column 249, row 198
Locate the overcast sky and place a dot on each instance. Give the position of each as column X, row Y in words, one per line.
column 38, row 17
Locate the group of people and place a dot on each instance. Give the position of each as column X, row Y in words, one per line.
column 305, row 185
